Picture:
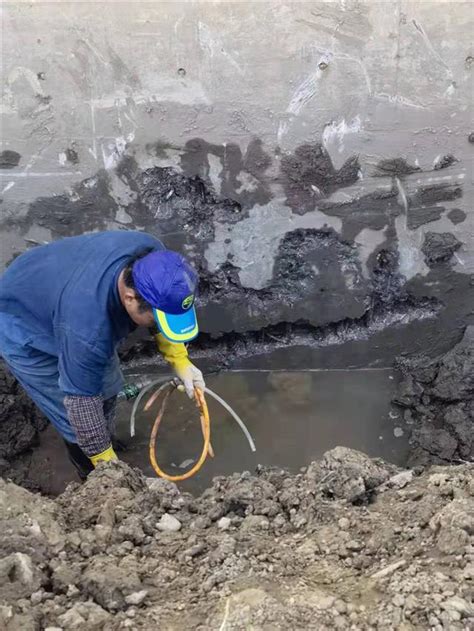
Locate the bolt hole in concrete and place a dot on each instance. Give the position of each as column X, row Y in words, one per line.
column 294, row 417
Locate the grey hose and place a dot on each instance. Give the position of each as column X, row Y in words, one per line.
column 225, row 405
column 155, row 382
column 234, row 415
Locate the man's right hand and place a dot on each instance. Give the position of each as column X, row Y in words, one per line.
column 105, row 456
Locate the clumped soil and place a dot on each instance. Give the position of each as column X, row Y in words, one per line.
column 20, row 425
column 438, row 400
column 349, row 543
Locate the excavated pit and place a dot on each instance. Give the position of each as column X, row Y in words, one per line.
column 293, row 417
column 347, row 542
column 417, row 414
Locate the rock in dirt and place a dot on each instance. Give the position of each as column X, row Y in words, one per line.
column 109, row 582
column 19, row 576
column 168, row 523
column 351, row 474
column 136, row 598
column 86, row 615
column 224, row 523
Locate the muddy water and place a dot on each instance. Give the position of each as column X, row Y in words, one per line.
column 294, row 417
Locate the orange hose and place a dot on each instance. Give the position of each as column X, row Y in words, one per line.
column 205, row 426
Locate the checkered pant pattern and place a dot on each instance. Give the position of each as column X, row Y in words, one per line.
column 93, row 421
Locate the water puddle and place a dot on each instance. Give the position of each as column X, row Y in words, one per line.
column 294, row 417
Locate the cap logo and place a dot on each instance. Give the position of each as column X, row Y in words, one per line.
column 188, row 302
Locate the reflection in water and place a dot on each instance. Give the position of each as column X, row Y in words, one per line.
column 294, row 417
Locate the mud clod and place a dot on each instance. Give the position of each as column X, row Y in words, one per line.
column 16, row 435
column 439, row 247
column 439, row 394
column 444, row 162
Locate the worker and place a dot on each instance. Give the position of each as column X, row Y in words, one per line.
column 65, row 308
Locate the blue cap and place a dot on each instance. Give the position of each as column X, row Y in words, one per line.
column 166, row 280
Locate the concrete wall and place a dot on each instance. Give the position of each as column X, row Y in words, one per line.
column 314, row 159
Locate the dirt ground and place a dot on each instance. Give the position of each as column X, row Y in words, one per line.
column 350, row 543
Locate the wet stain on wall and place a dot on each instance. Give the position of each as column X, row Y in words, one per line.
column 308, row 175
column 9, row 159
column 320, row 289
column 396, row 167
column 72, row 155
column 242, row 177
column 418, row 216
column 456, row 215
column 375, row 210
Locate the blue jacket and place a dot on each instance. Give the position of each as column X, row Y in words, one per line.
column 65, row 299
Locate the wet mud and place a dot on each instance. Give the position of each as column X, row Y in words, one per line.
column 437, row 399
column 20, row 419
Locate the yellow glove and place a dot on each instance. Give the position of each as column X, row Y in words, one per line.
column 177, row 356
column 105, row 456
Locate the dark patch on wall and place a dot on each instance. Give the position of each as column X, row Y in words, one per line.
column 439, row 247
column 315, row 262
column 308, row 175
column 395, row 167
column 434, row 193
column 43, row 99
column 90, row 207
column 318, row 295
column 387, row 284
column 9, row 159
column 157, row 149
column 375, row 210
column 419, row 216
column 471, row 137
column 317, row 278
column 72, row 155
column 445, row 161
column 418, row 319
column 456, row 215
column 312, row 267
column 242, row 177
column 174, row 200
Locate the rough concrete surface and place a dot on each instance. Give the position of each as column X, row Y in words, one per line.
column 349, row 543
column 351, row 139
